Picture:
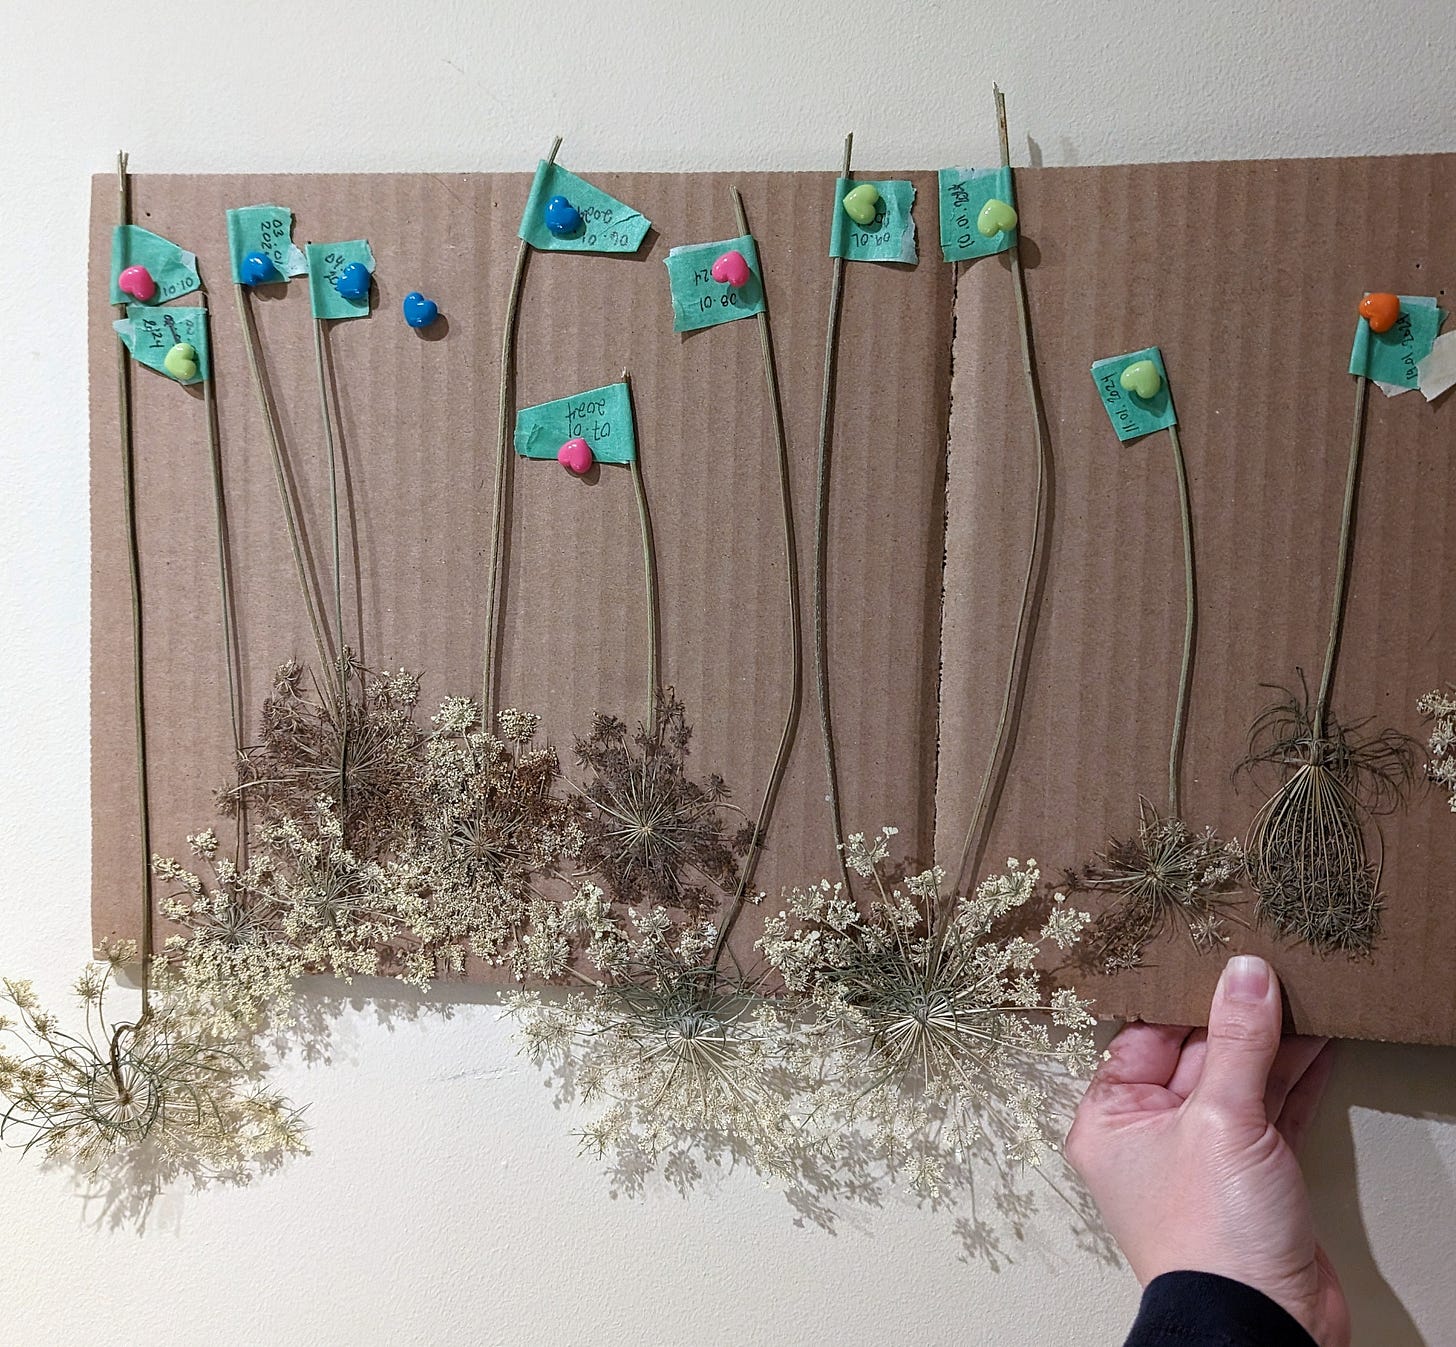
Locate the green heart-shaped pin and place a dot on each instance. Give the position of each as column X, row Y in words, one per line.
column 859, row 203
column 995, row 217
column 1142, row 378
column 181, row 361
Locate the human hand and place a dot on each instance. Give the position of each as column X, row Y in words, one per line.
column 1187, row 1140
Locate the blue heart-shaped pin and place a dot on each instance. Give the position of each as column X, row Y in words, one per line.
column 419, row 311
column 562, row 218
column 258, row 269
column 353, row 281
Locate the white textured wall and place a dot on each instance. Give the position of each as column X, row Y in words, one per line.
column 443, row 1202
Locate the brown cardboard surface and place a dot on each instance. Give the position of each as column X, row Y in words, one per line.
column 418, row 437
column 1247, row 276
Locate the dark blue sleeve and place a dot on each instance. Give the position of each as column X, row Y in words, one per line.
column 1200, row 1309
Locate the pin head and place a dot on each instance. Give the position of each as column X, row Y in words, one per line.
column 1380, row 311
column 1142, row 379
column 181, row 361
column 995, row 217
column 860, row 202
column 562, row 218
column 575, row 456
column 138, row 283
column 353, row 281
column 258, row 269
column 732, row 269
column 419, row 311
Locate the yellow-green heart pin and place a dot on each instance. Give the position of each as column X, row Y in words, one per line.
column 859, row 203
column 181, row 361
column 1142, row 378
column 995, row 217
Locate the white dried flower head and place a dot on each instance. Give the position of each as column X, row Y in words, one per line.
column 1440, row 709
column 163, row 1079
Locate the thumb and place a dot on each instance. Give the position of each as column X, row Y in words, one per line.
column 1244, row 1027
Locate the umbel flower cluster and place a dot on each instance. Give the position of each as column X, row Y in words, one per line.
column 914, row 1022
column 1440, row 709
column 167, row 1078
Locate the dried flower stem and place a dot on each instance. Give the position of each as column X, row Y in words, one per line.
column 1342, row 565
column 996, row 767
column 1190, row 625
column 821, row 541
column 230, row 654
column 791, row 581
column 502, row 483
column 321, row 366
column 251, row 345
column 649, row 571
column 134, row 573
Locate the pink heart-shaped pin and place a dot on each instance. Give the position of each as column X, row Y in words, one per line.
column 575, row 456
column 137, row 282
column 731, row 269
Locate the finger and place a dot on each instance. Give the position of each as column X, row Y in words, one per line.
column 1190, row 1064
column 1304, row 1099
column 1295, row 1055
column 1141, row 1054
column 1243, row 1037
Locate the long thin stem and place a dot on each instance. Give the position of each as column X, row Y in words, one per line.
column 499, row 502
column 230, row 653
column 321, row 366
column 134, row 572
column 649, row 571
column 1190, row 625
column 821, row 541
column 280, row 477
column 1342, row 565
column 791, row 581
column 981, row 816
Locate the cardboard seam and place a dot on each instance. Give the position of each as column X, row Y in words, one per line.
column 956, row 272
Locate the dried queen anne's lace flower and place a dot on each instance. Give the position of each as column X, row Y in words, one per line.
column 934, row 1047
column 491, row 823
column 932, row 1027
column 1440, row 708
column 165, row 1079
column 653, row 834
column 1165, row 877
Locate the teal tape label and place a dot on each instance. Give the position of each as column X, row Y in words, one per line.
column 173, row 268
column 1391, row 357
column 600, row 416
column 1130, row 414
column 150, row 333
column 963, row 191
column 267, row 230
column 325, row 262
column 889, row 237
column 606, row 226
column 700, row 301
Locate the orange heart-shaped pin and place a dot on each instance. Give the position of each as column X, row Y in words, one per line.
column 1380, row 311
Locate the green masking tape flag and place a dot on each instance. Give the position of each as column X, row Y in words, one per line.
column 607, row 225
column 325, row 262
column 1390, row 357
column 173, row 269
column 150, row 333
column 963, row 191
column 889, row 237
column 1130, row 414
column 267, row 230
column 700, row 301
column 601, row 416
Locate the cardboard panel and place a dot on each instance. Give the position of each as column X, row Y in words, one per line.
column 1247, row 276
column 418, row 419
